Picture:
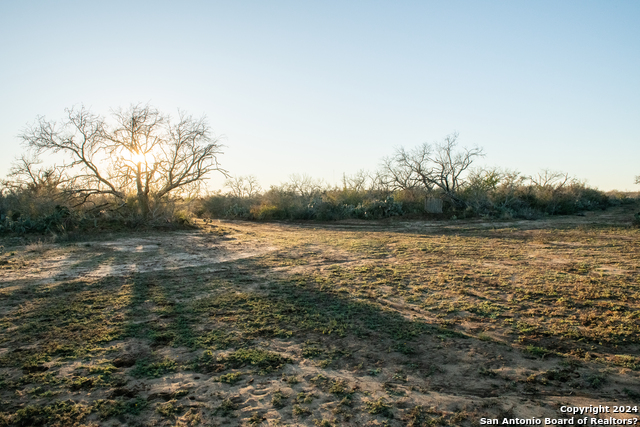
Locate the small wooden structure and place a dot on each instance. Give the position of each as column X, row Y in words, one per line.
column 433, row 205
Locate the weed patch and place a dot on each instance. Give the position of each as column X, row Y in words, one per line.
column 230, row 378
column 379, row 407
column 115, row 408
column 146, row 368
column 58, row 414
column 265, row 361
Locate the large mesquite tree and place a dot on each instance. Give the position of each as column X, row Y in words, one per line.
column 138, row 151
column 430, row 167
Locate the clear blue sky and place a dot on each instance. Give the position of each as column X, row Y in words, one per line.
column 328, row 87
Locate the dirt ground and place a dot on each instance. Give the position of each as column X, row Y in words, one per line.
column 464, row 322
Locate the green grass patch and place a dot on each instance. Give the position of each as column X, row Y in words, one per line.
column 230, row 378
column 378, row 407
column 59, row 414
column 146, row 368
column 265, row 361
column 117, row 407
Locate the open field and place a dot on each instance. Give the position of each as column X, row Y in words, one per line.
column 349, row 323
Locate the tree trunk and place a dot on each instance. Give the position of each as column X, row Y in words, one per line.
column 143, row 196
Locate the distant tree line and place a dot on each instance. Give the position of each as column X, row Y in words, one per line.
column 490, row 193
column 402, row 185
column 140, row 168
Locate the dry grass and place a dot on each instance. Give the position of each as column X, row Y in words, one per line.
column 349, row 323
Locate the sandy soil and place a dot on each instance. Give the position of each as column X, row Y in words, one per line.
column 481, row 375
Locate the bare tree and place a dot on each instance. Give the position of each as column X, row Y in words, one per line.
column 364, row 181
column 485, row 179
column 552, row 180
column 304, row 185
column 25, row 174
column 378, row 182
column 141, row 152
column 356, row 182
column 431, row 167
column 243, row 186
column 404, row 170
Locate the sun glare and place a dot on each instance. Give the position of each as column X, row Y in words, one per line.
column 137, row 158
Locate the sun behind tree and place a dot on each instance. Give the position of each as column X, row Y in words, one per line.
column 140, row 152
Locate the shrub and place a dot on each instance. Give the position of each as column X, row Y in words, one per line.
column 24, row 211
column 267, row 212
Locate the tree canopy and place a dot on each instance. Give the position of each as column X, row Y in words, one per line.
column 137, row 151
